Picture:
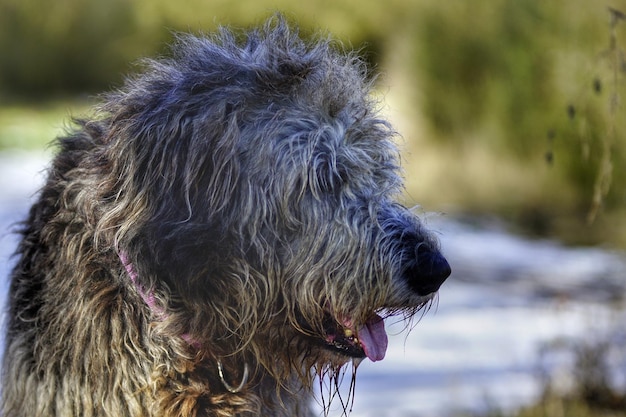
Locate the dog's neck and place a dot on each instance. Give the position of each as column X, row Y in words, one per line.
column 147, row 295
column 159, row 312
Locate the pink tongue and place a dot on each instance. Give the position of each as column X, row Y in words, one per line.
column 373, row 338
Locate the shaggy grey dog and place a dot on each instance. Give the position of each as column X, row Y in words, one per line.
column 223, row 229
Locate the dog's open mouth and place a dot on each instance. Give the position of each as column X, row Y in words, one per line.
column 369, row 339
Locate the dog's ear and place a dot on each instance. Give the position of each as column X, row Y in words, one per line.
column 188, row 172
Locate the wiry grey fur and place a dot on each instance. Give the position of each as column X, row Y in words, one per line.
column 233, row 205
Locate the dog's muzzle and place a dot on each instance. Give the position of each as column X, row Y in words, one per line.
column 424, row 270
column 427, row 271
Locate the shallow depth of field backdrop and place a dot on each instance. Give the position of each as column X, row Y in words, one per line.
column 512, row 121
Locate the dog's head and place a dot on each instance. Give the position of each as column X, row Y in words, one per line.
column 263, row 186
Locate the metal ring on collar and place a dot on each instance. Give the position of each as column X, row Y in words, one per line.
column 230, row 388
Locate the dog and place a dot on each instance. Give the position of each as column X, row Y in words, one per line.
column 221, row 230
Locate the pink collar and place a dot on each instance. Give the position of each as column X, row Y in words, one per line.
column 148, row 297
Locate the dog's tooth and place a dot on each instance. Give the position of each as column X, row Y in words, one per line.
column 349, row 334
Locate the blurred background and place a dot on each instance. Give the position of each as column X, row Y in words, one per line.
column 512, row 121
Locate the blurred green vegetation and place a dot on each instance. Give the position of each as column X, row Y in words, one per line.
column 73, row 46
column 30, row 125
column 507, row 107
column 533, row 81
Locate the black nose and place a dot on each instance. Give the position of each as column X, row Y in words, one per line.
column 428, row 271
